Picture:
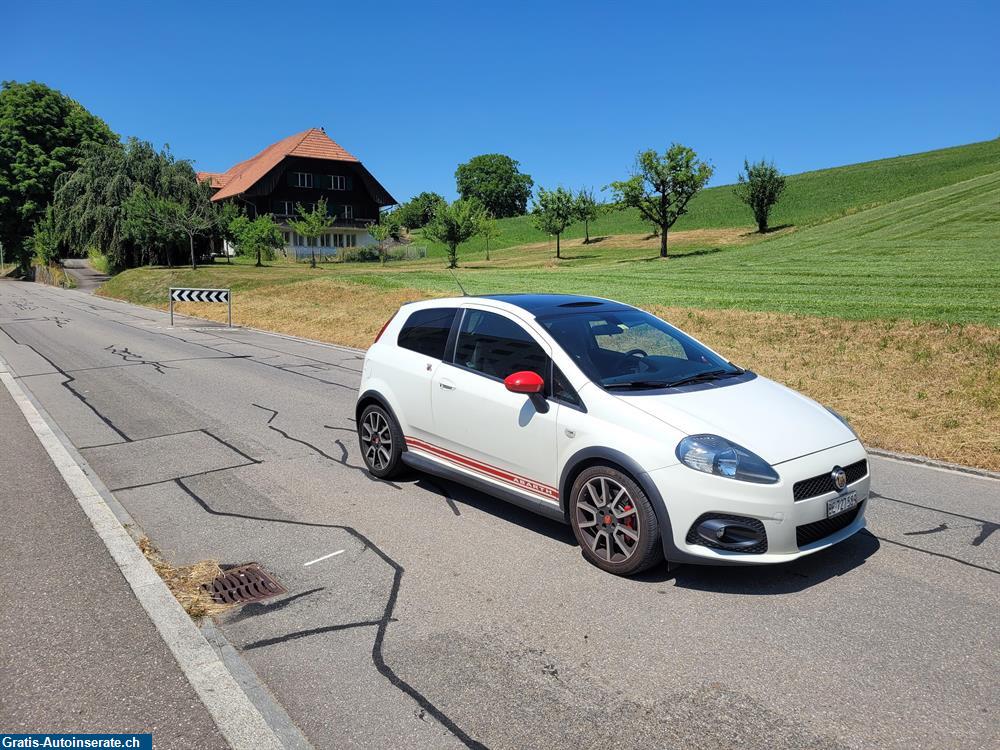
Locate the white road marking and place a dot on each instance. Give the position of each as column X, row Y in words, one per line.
column 321, row 559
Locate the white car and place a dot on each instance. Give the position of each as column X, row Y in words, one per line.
column 597, row 414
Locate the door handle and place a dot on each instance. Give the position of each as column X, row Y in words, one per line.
column 447, row 385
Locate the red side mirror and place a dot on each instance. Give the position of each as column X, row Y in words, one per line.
column 524, row 382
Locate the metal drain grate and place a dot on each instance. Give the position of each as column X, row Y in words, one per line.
column 247, row 583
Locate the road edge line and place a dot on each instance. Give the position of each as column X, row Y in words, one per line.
column 933, row 463
column 237, row 718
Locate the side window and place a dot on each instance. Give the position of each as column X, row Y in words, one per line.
column 426, row 331
column 496, row 346
column 562, row 390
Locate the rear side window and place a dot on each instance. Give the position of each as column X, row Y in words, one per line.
column 426, row 331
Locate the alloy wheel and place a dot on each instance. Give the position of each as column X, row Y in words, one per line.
column 376, row 439
column 608, row 520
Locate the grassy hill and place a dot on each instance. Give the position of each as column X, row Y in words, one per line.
column 931, row 256
column 810, row 197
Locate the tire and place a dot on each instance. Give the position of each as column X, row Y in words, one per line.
column 381, row 442
column 614, row 522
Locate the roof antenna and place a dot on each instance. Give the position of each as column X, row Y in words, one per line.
column 464, row 294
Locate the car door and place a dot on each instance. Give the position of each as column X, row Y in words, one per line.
column 420, row 347
column 480, row 426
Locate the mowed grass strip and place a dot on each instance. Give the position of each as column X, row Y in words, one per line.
column 925, row 388
column 934, row 256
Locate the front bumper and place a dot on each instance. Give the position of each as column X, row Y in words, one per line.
column 688, row 494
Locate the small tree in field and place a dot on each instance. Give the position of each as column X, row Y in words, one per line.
column 661, row 186
column 380, row 232
column 260, row 237
column 312, row 224
column 587, row 210
column 454, row 224
column 760, row 185
column 489, row 230
column 554, row 211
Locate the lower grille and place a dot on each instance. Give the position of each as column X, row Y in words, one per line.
column 813, row 532
column 822, row 484
column 757, row 549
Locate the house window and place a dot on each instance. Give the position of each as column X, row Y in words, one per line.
column 352, row 240
column 348, row 212
column 333, row 182
column 287, row 237
column 302, row 179
column 284, row 208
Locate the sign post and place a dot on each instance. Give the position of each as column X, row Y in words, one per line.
column 179, row 294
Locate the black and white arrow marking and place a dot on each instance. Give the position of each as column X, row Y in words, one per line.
column 199, row 295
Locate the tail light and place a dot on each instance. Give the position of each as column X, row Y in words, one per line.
column 382, row 329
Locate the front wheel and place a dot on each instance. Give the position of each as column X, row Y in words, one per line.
column 381, row 442
column 614, row 522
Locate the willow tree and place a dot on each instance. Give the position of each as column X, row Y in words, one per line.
column 95, row 205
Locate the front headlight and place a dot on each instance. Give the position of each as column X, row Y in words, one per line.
column 712, row 454
column 843, row 421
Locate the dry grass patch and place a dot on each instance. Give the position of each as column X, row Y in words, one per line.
column 927, row 389
column 322, row 309
column 186, row 582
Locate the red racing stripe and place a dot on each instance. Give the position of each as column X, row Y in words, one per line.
column 515, row 480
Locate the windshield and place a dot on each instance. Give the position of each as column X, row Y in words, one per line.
column 631, row 349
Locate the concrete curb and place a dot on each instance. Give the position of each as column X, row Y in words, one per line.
column 932, row 463
column 239, row 721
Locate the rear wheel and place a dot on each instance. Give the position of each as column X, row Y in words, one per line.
column 614, row 522
column 381, row 442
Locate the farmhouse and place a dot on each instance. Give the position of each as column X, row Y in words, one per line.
column 301, row 169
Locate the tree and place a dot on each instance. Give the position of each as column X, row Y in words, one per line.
column 312, row 223
column 488, row 230
column 97, row 206
column 43, row 244
column 587, row 210
column 380, row 232
column 42, row 135
column 760, row 185
column 661, row 186
column 419, row 210
column 454, row 224
column 494, row 180
column 187, row 216
column 260, row 237
column 554, row 211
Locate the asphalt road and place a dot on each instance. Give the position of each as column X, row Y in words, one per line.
column 452, row 619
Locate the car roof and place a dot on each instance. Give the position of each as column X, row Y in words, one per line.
column 554, row 304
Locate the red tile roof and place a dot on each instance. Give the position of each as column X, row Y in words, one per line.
column 312, row 143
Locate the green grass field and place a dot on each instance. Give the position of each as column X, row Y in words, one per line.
column 810, row 197
column 932, row 256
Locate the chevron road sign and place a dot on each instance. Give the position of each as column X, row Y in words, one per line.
column 180, row 294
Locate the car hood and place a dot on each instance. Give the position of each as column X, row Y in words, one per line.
column 765, row 417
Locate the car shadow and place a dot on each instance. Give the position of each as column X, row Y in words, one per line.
column 759, row 580
column 768, row 580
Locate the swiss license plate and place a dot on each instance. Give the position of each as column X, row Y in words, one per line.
column 841, row 504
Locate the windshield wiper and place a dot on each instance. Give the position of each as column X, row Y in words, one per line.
column 704, row 376
column 638, row 384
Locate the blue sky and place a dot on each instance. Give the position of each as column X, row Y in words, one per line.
column 570, row 89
